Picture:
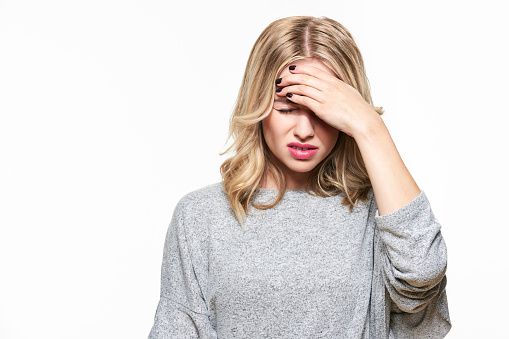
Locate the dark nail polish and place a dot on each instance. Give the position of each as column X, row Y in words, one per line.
column 289, row 95
column 292, row 67
column 279, row 89
column 278, row 81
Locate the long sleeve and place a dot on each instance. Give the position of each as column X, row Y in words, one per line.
column 182, row 311
column 413, row 261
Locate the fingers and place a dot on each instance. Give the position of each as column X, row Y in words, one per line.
column 309, row 86
column 310, row 81
column 303, row 100
column 308, row 75
column 301, row 79
column 302, row 90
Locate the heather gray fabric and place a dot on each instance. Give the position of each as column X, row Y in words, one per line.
column 307, row 268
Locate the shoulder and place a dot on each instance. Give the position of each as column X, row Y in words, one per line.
column 210, row 194
column 203, row 202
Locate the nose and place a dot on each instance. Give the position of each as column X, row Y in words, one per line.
column 305, row 125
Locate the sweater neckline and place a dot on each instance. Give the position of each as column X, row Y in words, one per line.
column 270, row 192
column 274, row 190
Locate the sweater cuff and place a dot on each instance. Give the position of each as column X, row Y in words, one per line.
column 404, row 214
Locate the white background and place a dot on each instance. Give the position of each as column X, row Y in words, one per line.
column 112, row 110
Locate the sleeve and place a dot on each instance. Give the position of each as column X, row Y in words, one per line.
column 182, row 311
column 414, row 262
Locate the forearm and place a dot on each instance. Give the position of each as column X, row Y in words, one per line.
column 392, row 183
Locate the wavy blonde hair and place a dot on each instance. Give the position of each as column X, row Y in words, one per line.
column 283, row 42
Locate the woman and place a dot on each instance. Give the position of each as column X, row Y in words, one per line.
column 317, row 229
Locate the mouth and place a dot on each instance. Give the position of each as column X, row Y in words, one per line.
column 302, row 147
column 302, row 152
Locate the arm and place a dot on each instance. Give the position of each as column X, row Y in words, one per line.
column 182, row 311
column 413, row 253
column 412, row 258
column 392, row 183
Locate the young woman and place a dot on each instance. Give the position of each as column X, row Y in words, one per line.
column 317, row 229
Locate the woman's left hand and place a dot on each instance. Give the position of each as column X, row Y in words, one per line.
column 332, row 100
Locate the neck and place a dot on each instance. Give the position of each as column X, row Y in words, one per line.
column 293, row 182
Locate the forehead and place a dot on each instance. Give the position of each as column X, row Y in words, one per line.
column 309, row 62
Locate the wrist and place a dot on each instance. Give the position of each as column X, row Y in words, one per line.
column 369, row 129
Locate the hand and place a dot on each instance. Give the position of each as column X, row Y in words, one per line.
column 332, row 100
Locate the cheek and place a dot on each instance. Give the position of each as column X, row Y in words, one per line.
column 267, row 131
column 272, row 127
column 330, row 136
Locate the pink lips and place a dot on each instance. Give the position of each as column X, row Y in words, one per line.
column 307, row 152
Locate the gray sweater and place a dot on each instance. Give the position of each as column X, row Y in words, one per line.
column 307, row 268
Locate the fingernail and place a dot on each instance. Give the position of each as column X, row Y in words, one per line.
column 292, row 67
column 289, row 95
column 279, row 89
column 278, row 81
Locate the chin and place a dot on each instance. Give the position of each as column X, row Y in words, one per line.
column 304, row 168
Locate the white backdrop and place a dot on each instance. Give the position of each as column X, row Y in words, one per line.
column 112, row 110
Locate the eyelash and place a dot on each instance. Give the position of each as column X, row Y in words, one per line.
column 285, row 111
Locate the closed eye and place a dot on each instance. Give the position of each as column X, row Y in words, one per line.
column 285, row 110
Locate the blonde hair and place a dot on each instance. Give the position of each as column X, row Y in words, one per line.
column 283, row 42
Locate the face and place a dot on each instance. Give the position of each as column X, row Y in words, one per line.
column 289, row 128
